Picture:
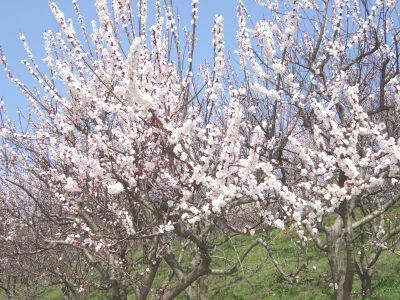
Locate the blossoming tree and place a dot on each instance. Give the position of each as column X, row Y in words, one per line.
column 128, row 153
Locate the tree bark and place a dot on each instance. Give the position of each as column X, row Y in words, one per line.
column 191, row 292
column 202, row 289
column 341, row 258
column 366, row 284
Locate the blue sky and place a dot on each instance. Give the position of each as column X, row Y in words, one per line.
column 32, row 18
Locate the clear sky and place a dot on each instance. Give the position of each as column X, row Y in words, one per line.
column 33, row 17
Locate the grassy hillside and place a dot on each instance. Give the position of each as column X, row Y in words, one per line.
column 258, row 278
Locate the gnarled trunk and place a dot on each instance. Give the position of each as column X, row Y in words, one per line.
column 341, row 258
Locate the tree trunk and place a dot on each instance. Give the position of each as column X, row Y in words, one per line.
column 202, row 289
column 198, row 290
column 192, row 292
column 341, row 258
column 366, row 285
column 336, row 263
column 365, row 275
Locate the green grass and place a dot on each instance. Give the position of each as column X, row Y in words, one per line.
column 258, row 278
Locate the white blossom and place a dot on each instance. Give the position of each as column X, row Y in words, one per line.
column 115, row 188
